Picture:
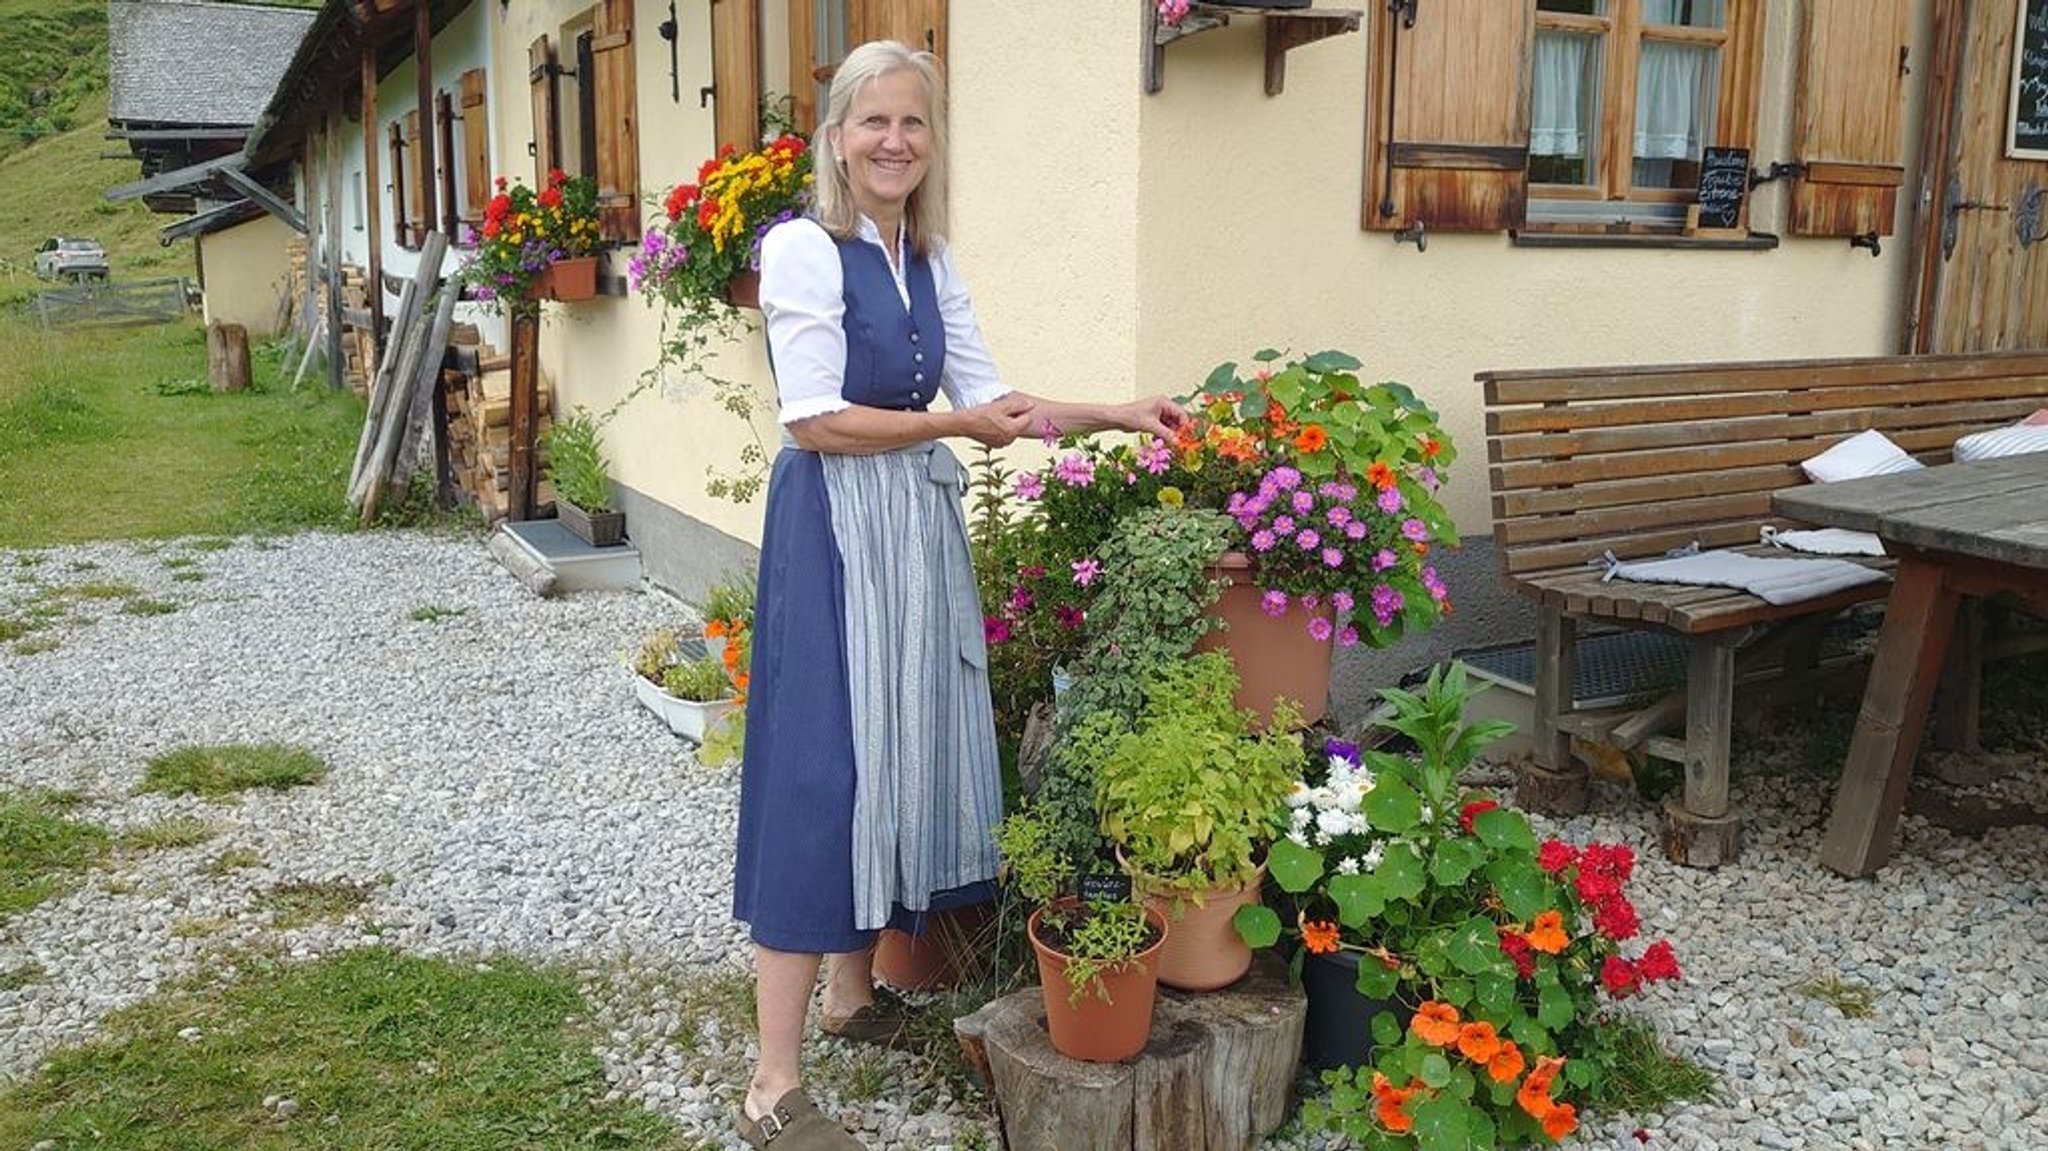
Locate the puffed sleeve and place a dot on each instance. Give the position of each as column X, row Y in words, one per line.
column 970, row 376
column 803, row 303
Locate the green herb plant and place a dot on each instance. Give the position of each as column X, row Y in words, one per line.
column 575, row 460
column 701, row 681
column 1190, row 792
column 1095, row 937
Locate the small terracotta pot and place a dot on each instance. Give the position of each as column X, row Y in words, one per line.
column 1274, row 657
column 744, row 289
column 938, row 958
column 1087, row 1028
column 568, row 280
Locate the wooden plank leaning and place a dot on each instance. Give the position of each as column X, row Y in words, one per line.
column 412, row 297
column 423, row 356
column 416, row 427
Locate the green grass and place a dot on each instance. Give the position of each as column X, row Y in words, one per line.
column 432, row 612
column 1853, row 1000
column 16, row 978
column 375, row 1049
column 41, row 852
column 95, row 453
column 169, row 832
column 1643, row 1078
column 228, row 768
column 232, row 860
column 294, row 905
column 148, row 607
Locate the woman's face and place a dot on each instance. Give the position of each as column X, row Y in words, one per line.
column 886, row 142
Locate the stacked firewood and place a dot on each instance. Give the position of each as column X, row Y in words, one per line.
column 476, row 395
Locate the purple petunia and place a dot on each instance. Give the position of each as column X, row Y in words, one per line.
column 995, row 630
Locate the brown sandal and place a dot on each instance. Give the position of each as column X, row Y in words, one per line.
column 794, row 1124
column 886, row 1021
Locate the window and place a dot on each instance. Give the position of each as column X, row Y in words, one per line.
column 1623, row 96
column 1555, row 115
column 600, row 135
column 819, row 33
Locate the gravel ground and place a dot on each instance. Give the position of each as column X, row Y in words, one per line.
column 496, row 788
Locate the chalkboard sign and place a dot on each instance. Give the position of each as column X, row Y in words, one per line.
column 1105, row 887
column 1724, row 180
column 2026, row 132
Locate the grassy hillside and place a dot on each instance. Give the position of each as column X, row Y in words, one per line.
column 54, row 187
column 56, row 53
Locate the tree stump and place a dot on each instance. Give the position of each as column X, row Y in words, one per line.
column 1217, row 1074
column 227, row 357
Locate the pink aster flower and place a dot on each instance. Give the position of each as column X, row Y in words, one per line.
column 1263, row 540
column 1339, row 516
column 1355, row 530
column 1308, row 540
column 1284, row 525
column 1384, row 560
column 1389, row 500
column 1386, row 604
column 1286, row 478
column 1347, row 636
column 1415, row 530
column 1319, row 627
column 1437, row 590
column 1428, row 478
column 1030, row 486
column 1303, row 502
column 1341, row 600
column 1273, row 603
column 1332, row 558
column 1085, row 570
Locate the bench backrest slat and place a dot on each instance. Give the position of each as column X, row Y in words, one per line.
column 1639, row 460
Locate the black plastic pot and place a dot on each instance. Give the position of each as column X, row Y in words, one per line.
column 1338, row 1031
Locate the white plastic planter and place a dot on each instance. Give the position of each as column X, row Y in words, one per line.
column 687, row 718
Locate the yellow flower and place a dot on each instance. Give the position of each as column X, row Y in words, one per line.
column 1171, row 497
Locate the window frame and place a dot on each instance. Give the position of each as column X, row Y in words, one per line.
column 1622, row 33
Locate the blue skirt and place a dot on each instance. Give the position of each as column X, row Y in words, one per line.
column 793, row 867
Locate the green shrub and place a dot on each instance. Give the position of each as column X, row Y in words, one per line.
column 699, row 682
column 575, row 461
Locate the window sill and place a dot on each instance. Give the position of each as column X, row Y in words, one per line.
column 1753, row 242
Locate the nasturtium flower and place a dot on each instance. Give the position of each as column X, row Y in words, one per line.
column 1506, row 1063
column 1478, row 1041
column 1319, row 936
column 1436, row 1023
column 1547, row 934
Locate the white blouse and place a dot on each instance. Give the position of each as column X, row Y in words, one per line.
column 803, row 302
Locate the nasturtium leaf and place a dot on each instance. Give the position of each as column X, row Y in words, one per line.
column 1266, row 355
column 1258, row 925
column 1400, row 872
column 1375, row 979
column 1436, row 1070
column 1475, row 946
column 1533, row 1036
column 1580, row 1072
column 1386, row 1029
column 1521, row 885
column 1358, row 898
column 1222, row 379
column 1494, row 991
column 1461, row 1084
column 1440, row 1125
column 1455, row 860
column 1505, row 829
column 1332, row 361
column 1456, row 992
column 1294, row 867
column 1554, row 1007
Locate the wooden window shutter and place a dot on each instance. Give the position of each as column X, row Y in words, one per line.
column 449, row 164
column 540, row 75
column 919, row 23
column 1848, row 117
column 419, row 171
column 618, row 117
column 736, row 72
column 401, row 192
column 476, row 147
column 1454, row 88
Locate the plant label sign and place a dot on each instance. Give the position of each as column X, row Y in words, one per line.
column 2026, row 132
column 1724, row 181
column 1105, row 887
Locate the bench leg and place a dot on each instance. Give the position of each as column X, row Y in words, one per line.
column 1556, row 783
column 1959, row 695
column 1700, row 830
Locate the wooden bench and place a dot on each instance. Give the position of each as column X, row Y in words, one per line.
column 1638, row 461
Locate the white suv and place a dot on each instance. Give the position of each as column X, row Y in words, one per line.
column 71, row 258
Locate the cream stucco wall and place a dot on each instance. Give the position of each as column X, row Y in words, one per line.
column 1249, row 237
column 246, row 274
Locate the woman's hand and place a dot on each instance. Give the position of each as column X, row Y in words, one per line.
column 1157, row 415
column 996, row 423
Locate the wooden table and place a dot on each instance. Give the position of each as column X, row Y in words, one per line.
column 1975, row 529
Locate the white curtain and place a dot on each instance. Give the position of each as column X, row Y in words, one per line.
column 1668, row 113
column 1557, row 104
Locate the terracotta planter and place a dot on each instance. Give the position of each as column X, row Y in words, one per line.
column 567, row 280
column 1087, row 1028
column 1274, row 657
column 1203, row 951
column 940, row 957
column 744, row 289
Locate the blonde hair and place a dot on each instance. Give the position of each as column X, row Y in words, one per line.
column 924, row 216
